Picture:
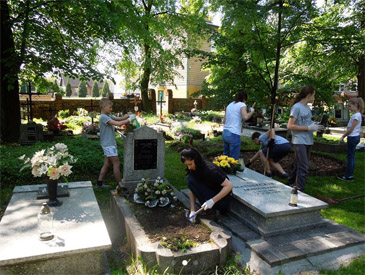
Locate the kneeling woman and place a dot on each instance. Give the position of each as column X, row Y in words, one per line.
column 207, row 183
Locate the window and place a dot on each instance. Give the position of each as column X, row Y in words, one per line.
column 341, row 87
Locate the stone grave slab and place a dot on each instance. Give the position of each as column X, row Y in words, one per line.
column 262, row 203
column 80, row 239
column 144, row 155
column 30, row 133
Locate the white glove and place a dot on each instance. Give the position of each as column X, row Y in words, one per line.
column 132, row 117
column 252, row 109
column 192, row 217
column 208, row 204
column 315, row 127
column 341, row 139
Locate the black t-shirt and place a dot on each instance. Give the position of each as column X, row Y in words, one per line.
column 211, row 175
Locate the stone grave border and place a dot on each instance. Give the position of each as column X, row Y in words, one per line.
column 200, row 259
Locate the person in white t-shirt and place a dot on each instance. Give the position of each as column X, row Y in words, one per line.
column 236, row 113
column 356, row 106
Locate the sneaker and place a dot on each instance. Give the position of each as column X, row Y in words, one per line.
column 268, row 174
column 283, row 175
column 345, row 178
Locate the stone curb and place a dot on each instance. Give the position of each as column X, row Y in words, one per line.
column 200, row 259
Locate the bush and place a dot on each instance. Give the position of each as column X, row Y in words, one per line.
column 95, row 89
column 63, row 113
column 68, row 89
column 82, row 89
column 106, row 89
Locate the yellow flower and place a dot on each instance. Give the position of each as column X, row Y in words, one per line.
column 230, row 159
column 234, row 161
column 224, row 163
column 216, row 163
column 222, row 157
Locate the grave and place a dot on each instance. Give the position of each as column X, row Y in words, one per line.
column 30, row 133
column 262, row 203
column 144, row 155
column 274, row 237
column 80, row 238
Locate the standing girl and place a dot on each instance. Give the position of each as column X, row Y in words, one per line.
column 356, row 106
column 302, row 127
column 236, row 112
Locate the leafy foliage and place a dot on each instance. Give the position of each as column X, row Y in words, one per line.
column 82, row 89
column 95, row 89
column 68, row 89
column 105, row 90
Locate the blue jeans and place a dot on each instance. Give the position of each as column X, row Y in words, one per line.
column 204, row 193
column 232, row 144
column 301, row 166
column 351, row 148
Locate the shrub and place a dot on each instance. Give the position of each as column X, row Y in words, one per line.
column 68, row 89
column 63, row 113
column 82, row 89
column 106, row 89
column 95, row 89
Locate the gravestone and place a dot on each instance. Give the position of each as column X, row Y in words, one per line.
column 144, row 155
column 30, row 133
column 262, row 203
column 275, row 238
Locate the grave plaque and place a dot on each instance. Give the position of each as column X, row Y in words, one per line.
column 30, row 133
column 145, row 154
column 263, row 204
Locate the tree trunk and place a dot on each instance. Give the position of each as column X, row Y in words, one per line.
column 361, row 78
column 278, row 52
column 9, row 94
column 146, row 79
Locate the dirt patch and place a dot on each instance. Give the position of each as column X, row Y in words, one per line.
column 169, row 226
column 320, row 165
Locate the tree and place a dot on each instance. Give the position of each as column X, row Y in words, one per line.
column 105, row 91
column 333, row 47
column 82, row 89
column 95, row 89
column 251, row 45
column 46, row 36
column 68, row 89
column 162, row 31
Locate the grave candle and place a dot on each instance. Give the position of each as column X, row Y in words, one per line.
column 293, row 197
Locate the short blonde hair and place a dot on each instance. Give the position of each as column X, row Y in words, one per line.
column 104, row 102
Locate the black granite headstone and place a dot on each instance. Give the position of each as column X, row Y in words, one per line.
column 145, row 154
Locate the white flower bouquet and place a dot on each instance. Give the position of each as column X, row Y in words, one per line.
column 52, row 162
column 153, row 193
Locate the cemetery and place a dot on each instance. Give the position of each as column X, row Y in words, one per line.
column 182, row 137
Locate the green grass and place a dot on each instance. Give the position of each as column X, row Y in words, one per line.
column 90, row 160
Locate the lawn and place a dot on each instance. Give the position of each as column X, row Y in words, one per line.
column 90, row 159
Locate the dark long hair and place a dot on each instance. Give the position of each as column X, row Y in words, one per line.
column 240, row 97
column 192, row 154
column 307, row 90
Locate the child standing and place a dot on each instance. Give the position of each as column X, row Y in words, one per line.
column 356, row 106
column 107, row 139
column 302, row 127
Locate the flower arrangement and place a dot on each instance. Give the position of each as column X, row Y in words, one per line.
column 153, row 193
column 90, row 128
column 196, row 119
column 92, row 114
column 52, row 162
column 229, row 165
column 55, row 126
